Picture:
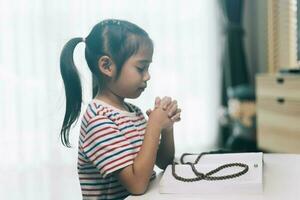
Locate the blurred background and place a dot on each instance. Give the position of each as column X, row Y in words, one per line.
column 207, row 54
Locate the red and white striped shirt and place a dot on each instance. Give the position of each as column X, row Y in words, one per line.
column 109, row 140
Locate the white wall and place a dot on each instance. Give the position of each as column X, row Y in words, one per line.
column 186, row 66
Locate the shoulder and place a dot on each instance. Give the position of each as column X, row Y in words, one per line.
column 98, row 117
column 98, row 113
column 96, row 110
column 99, row 123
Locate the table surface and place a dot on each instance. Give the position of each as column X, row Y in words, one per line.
column 281, row 179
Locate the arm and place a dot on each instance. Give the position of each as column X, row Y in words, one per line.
column 135, row 177
column 166, row 150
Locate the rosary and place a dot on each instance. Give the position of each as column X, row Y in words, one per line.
column 208, row 176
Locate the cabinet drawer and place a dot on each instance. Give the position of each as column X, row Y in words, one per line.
column 278, row 86
column 278, row 124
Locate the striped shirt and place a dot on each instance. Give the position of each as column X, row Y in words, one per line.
column 109, row 140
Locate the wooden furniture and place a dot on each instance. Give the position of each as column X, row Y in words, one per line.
column 282, row 37
column 278, row 112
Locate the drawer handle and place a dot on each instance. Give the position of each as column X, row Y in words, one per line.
column 280, row 80
column 280, row 100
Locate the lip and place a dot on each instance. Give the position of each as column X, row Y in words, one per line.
column 142, row 88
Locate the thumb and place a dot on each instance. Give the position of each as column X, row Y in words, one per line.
column 148, row 112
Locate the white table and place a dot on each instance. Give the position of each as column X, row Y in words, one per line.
column 281, row 177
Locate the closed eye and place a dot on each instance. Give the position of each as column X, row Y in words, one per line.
column 140, row 69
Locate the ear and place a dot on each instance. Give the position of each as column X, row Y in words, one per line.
column 106, row 66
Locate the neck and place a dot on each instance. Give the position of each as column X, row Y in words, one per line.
column 111, row 98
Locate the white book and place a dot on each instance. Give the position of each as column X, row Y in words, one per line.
column 248, row 183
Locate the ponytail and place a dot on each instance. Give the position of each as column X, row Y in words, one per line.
column 73, row 89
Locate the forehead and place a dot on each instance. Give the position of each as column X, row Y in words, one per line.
column 144, row 54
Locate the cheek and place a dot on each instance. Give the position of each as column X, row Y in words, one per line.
column 127, row 82
column 132, row 77
column 129, row 79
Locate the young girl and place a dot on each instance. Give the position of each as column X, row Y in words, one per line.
column 118, row 148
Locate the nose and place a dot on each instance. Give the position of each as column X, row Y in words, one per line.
column 147, row 76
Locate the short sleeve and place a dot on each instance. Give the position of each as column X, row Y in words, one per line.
column 107, row 147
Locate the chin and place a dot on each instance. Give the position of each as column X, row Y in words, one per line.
column 134, row 96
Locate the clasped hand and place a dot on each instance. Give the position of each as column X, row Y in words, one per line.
column 165, row 111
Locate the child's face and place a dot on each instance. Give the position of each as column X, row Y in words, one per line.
column 134, row 74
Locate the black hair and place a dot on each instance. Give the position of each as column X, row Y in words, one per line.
column 117, row 39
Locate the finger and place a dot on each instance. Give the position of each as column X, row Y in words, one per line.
column 173, row 108
column 178, row 110
column 176, row 117
column 166, row 101
column 157, row 102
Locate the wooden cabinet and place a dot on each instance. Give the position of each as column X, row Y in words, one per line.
column 278, row 112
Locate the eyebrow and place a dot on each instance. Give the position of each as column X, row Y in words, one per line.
column 145, row 61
